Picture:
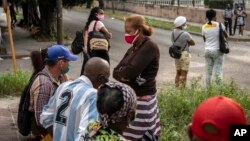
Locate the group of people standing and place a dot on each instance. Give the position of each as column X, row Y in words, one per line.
column 93, row 108
column 214, row 58
column 239, row 20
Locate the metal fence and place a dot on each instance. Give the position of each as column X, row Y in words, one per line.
column 194, row 3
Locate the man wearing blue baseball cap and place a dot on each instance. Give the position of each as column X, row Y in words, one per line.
column 57, row 58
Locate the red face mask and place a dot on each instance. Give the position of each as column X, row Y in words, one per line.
column 130, row 38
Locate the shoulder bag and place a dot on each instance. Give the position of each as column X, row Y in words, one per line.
column 97, row 40
column 175, row 51
column 224, row 47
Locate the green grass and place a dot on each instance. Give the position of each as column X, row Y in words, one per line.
column 121, row 15
column 177, row 106
column 13, row 84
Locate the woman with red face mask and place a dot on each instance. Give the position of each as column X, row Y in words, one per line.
column 138, row 68
column 95, row 19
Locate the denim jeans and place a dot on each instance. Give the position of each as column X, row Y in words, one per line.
column 214, row 61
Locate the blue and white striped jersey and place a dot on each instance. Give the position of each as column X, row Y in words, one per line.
column 70, row 110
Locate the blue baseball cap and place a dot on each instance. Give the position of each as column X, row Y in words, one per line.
column 56, row 52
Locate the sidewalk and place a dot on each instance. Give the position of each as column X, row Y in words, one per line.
column 236, row 37
column 8, row 117
column 23, row 43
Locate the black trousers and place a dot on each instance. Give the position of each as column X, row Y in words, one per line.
column 235, row 24
column 102, row 54
column 228, row 25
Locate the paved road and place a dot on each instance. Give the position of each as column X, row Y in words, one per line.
column 237, row 64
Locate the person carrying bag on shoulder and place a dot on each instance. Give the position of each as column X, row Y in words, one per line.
column 181, row 40
column 96, row 37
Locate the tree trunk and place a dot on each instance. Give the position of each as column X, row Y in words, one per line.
column 101, row 4
column 25, row 12
column 172, row 2
column 48, row 17
column 89, row 2
column 30, row 13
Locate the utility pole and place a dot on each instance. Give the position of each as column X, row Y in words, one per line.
column 59, row 22
column 7, row 10
column 113, row 8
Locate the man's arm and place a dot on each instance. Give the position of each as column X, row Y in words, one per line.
column 42, row 95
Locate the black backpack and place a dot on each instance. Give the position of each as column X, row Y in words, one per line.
column 78, row 43
column 24, row 115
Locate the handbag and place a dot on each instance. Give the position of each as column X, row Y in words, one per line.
column 97, row 40
column 175, row 51
column 224, row 47
column 78, row 43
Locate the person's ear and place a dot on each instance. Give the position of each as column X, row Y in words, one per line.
column 102, row 79
column 189, row 132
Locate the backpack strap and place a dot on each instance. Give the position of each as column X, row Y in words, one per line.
column 95, row 25
column 177, row 37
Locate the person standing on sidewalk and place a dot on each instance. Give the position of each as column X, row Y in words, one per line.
column 214, row 58
column 56, row 60
column 183, row 40
column 95, row 20
column 73, row 105
column 228, row 15
column 138, row 69
column 241, row 17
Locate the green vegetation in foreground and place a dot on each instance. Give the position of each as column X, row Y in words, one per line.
column 13, row 84
column 176, row 106
column 121, row 15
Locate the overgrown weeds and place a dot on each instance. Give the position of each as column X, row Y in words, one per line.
column 177, row 105
column 12, row 84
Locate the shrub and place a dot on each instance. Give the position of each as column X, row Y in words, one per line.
column 219, row 4
column 177, row 106
column 13, row 84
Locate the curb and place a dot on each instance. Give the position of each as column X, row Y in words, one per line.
column 230, row 38
column 9, row 56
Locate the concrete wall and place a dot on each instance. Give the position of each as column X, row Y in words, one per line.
column 196, row 15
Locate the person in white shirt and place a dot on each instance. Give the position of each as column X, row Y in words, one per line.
column 73, row 105
column 214, row 58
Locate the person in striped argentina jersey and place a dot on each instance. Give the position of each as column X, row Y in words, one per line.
column 73, row 105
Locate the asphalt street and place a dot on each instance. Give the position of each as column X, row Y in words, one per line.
column 236, row 67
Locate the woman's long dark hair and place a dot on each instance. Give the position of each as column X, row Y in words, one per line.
column 38, row 60
column 92, row 16
column 210, row 14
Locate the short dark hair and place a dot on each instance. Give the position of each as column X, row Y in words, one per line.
column 109, row 100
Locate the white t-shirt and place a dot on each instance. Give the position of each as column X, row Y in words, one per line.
column 211, row 33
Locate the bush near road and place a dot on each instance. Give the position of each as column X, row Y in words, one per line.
column 176, row 106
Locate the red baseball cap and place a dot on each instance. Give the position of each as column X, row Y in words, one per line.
column 220, row 112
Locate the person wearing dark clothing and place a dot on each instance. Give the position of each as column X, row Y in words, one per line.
column 95, row 21
column 12, row 13
column 138, row 69
column 228, row 15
